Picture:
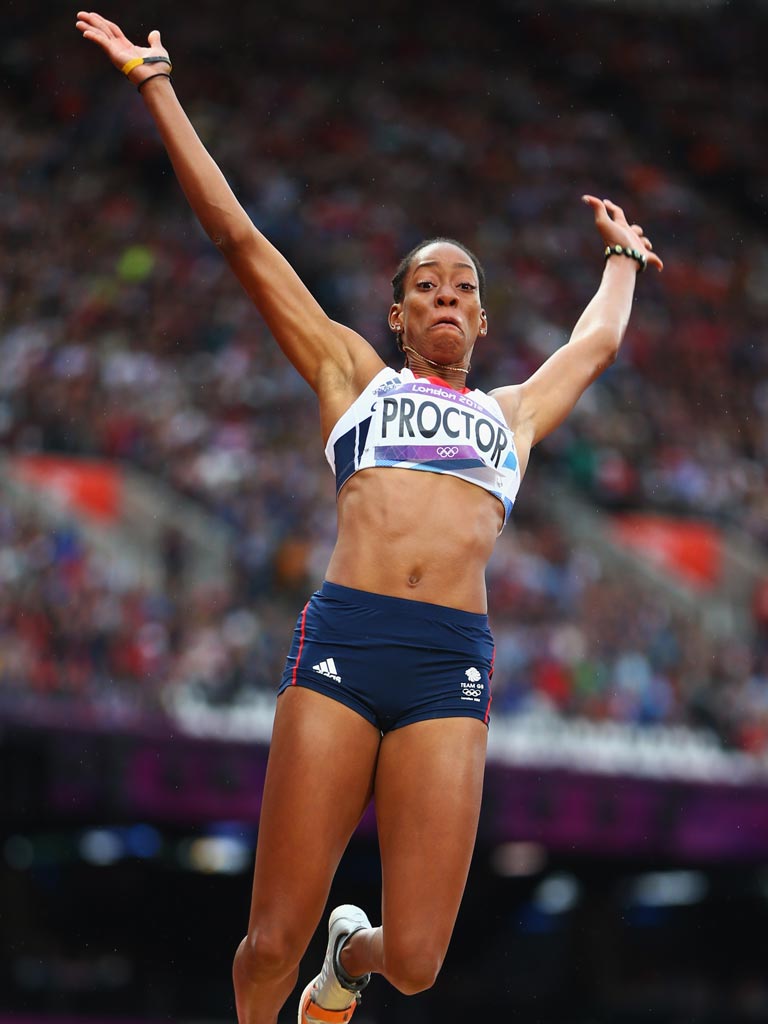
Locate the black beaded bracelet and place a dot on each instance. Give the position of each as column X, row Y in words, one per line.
column 621, row 250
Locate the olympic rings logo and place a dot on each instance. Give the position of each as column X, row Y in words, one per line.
column 447, row 451
column 471, row 693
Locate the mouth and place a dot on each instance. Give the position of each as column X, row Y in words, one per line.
column 447, row 320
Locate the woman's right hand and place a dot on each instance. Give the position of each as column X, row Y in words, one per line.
column 119, row 48
column 335, row 360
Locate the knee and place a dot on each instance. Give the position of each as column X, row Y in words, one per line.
column 266, row 954
column 411, row 966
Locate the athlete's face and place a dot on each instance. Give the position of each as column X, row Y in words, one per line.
column 440, row 315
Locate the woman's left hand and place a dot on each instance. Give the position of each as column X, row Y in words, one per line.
column 615, row 229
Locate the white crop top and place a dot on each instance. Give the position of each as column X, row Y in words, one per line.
column 414, row 423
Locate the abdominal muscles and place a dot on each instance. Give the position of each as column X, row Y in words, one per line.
column 418, row 535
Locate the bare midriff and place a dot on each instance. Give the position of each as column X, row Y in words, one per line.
column 416, row 535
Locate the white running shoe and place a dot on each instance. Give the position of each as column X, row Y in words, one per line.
column 332, row 997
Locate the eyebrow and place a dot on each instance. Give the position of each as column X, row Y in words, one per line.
column 435, row 263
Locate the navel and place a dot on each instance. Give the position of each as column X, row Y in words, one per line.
column 414, row 579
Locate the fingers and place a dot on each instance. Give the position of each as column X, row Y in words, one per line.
column 86, row 24
column 94, row 34
column 616, row 213
column 95, row 21
column 598, row 209
column 651, row 258
column 93, row 26
column 604, row 209
column 639, row 232
column 614, row 228
column 154, row 38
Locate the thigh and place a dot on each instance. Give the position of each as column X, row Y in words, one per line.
column 319, row 780
column 428, row 790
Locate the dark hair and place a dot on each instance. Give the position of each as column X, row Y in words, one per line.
column 398, row 288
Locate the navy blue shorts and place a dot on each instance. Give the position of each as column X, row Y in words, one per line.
column 392, row 660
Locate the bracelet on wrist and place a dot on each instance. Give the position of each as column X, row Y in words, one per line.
column 622, row 250
column 136, row 62
column 158, row 74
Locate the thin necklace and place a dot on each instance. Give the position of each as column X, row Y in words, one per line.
column 438, row 366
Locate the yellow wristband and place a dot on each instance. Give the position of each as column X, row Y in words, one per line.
column 129, row 65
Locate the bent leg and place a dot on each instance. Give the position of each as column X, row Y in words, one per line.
column 428, row 790
column 322, row 762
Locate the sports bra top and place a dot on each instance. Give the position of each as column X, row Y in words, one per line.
column 421, row 423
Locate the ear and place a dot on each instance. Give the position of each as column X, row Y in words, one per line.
column 395, row 318
column 483, row 323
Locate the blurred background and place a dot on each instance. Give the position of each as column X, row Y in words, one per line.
column 165, row 507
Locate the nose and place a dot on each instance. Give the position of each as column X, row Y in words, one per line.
column 446, row 296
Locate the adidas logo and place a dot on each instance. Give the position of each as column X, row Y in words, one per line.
column 327, row 668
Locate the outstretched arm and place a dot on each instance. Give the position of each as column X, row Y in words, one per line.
column 539, row 405
column 324, row 352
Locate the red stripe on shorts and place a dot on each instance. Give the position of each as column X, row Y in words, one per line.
column 490, row 694
column 301, row 643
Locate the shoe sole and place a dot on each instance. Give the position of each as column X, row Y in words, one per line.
column 329, row 1016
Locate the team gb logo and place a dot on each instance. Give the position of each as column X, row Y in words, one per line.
column 473, row 688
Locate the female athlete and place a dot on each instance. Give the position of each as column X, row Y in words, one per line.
column 386, row 692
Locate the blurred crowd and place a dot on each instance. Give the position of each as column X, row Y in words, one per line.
column 81, row 642
column 123, row 334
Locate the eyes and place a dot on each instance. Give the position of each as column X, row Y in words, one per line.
column 426, row 285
